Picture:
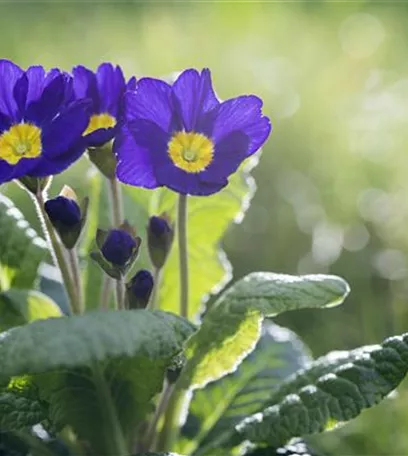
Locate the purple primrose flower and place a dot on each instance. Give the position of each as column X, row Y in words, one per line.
column 182, row 137
column 105, row 88
column 40, row 128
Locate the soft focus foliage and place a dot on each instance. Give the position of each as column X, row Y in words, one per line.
column 332, row 185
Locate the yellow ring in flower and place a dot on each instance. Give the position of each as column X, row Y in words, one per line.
column 98, row 121
column 192, row 152
column 20, row 141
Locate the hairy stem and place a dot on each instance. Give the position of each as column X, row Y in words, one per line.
column 120, row 293
column 57, row 252
column 76, row 277
column 183, row 253
column 106, row 292
column 115, row 438
column 156, row 285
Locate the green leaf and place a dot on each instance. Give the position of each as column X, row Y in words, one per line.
column 21, row 249
column 208, row 220
column 18, row 307
column 134, row 348
column 224, row 403
column 20, row 407
column 158, row 454
column 294, row 448
column 232, row 326
column 97, row 336
column 339, row 394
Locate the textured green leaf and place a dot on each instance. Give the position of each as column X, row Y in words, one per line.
column 97, row 336
column 294, row 448
column 18, row 307
column 208, row 220
column 21, row 249
column 232, row 326
column 224, row 403
column 158, row 454
column 342, row 391
column 82, row 363
column 20, row 407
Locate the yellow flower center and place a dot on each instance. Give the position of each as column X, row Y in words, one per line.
column 20, row 141
column 98, row 121
column 192, row 152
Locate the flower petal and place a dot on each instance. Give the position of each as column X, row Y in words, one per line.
column 36, row 77
column 111, row 86
column 229, row 153
column 47, row 166
column 193, row 97
column 245, row 114
column 20, row 96
column 85, row 86
column 65, row 130
column 9, row 75
column 151, row 101
column 47, row 106
column 133, row 147
column 100, row 137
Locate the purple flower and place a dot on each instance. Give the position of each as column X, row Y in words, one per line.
column 40, row 128
column 140, row 288
column 181, row 137
column 106, row 88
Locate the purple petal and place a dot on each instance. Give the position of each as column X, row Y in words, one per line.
column 151, row 101
column 137, row 146
column 20, row 96
column 131, row 84
column 49, row 166
column 111, row 87
column 9, row 75
column 100, row 137
column 229, row 153
column 193, row 97
column 245, row 114
column 47, row 106
column 85, row 86
column 66, row 129
column 5, row 122
column 10, row 172
column 36, row 77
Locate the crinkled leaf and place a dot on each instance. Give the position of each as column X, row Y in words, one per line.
column 295, row 448
column 231, row 327
column 224, row 403
column 20, row 406
column 338, row 394
column 18, row 307
column 21, row 249
column 130, row 349
column 208, row 220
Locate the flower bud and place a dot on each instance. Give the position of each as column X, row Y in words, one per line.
column 139, row 289
column 67, row 217
column 160, row 235
column 118, row 249
column 104, row 159
column 63, row 210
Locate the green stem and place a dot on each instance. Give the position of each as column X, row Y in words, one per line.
column 116, row 441
column 120, row 293
column 183, row 254
column 76, row 276
column 170, row 429
column 156, row 285
column 106, row 292
column 57, row 252
column 116, row 202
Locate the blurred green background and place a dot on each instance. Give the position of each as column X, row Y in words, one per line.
column 332, row 184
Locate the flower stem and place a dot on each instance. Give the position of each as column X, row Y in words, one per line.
column 156, row 285
column 183, row 254
column 106, row 292
column 57, row 252
column 117, row 219
column 116, row 439
column 76, row 276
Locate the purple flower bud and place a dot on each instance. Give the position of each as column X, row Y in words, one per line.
column 139, row 289
column 64, row 211
column 119, row 247
column 159, row 238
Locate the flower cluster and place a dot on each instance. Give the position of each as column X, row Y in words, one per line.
column 177, row 135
